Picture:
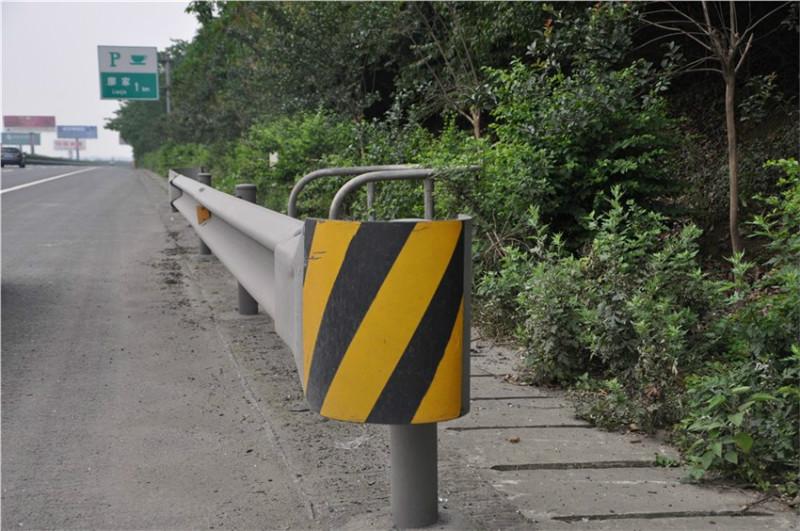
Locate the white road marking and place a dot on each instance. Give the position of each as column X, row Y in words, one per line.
column 40, row 181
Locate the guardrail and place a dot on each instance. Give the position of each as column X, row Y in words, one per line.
column 376, row 313
column 38, row 160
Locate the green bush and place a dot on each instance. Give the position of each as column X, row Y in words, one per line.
column 742, row 421
column 565, row 139
column 302, row 143
column 743, row 411
column 636, row 307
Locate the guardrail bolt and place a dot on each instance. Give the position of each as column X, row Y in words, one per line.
column 247, row 304
column 204, row 178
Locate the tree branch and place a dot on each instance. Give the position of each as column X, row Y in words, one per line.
column 686, row 16
column 744, row 53
column 751, row 28
column 682, row 31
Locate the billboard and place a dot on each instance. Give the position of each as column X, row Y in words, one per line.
column 67, row 144
column 76, row 131
column 19, row 139
column 27, row 124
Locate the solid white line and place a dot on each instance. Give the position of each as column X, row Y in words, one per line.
column 40, row 181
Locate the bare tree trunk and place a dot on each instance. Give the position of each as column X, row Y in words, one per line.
column 733, row 166
column 475, row 120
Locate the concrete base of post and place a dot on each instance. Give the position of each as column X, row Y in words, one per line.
column 414, row 475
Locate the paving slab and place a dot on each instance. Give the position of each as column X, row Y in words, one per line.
column 542, row 411
column 611, row 492
column 746, row 522
column 516, row 447
column 562, row 474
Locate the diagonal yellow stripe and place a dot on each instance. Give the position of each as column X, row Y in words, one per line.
column 443, row 398
column 391, row 321
column 328, row 249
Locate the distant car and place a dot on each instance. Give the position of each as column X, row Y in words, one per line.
column 12, row 155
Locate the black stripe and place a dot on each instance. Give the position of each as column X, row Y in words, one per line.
column 308, row 234
column 371, row 254
column 414, row 373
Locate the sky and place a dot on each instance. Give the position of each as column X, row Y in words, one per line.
column 49, row 60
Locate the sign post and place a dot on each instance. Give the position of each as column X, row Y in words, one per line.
column 128, row 72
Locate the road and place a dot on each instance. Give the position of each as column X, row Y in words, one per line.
column 134, row 396
column 117, row 409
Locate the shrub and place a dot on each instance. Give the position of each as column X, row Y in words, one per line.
column 636, row 307
column 743, row 412
column 564, row 139
column 742, row 421
column 302, row 143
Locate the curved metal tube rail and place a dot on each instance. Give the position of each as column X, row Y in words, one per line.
column 291, row 209
column 386, row 175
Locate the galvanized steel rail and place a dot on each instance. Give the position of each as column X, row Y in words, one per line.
column 265, row 251
column 261, row 248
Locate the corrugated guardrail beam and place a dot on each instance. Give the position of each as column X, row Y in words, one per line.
column 261, row 248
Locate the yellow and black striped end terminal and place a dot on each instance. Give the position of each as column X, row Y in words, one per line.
column 383, row 320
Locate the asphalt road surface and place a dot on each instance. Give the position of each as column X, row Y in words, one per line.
column 117, row 409
column 134, row 396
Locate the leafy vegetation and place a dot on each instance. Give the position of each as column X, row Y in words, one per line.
column 604, row 165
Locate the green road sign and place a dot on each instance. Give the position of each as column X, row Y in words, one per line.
column 128, row 73
column 128, row 86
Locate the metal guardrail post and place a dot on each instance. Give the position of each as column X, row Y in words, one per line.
column 204, row 178
column 414, row 457
column 428, row 184
column 370, row 201
column 414, row 475
column 247, row 304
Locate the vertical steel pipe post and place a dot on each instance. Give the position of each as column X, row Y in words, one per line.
column 414, row 481
column 370, row 201
column 414, row 474
column 204, row 178
column 428, row 190
column 247, row 304
column 414, row 451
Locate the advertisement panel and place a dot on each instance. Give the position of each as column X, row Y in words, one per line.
column 68, row 144
column 19, row 139
column 27, row 124
column 76, row 131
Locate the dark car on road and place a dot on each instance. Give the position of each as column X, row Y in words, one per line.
column 12, row 155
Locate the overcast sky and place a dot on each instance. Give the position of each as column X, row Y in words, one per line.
column 49, row 60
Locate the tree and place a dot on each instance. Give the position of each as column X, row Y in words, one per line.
column 715, row 27
column 452, row 43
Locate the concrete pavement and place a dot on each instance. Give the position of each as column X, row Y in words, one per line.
column 119, row 409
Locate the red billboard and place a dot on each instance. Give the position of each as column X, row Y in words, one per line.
column 29, row 123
